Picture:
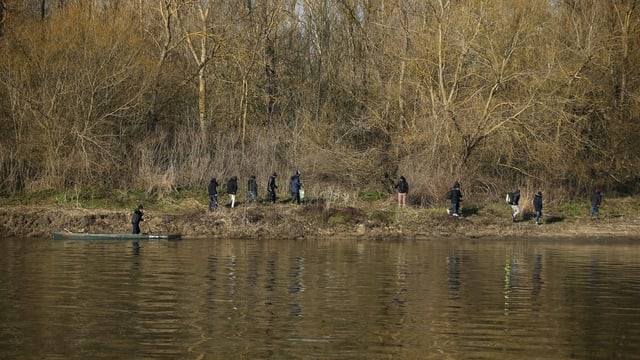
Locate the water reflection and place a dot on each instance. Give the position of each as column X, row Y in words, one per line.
column 337, row 298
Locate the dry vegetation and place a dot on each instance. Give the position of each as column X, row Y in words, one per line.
column 162, row 95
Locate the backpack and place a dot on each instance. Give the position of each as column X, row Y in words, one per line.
column 509, row 198
column 449, row 194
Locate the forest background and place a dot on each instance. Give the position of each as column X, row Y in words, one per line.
column 156, row 95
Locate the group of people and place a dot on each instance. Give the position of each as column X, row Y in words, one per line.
column 513, row 199
column 454, row 195
column 295, row 188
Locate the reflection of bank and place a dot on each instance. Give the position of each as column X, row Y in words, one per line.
column 536, row 278
column 296, row 274
column 453, row 275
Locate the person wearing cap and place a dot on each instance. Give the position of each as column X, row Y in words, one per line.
column 537, row 206
column 596, row 200
column 138, row 215
column 271, row 188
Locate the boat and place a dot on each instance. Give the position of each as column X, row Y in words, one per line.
column 70, row 235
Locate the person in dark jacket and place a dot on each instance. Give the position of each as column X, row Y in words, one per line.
column 596, row 201
column 232, row 190
column 213, row 194
column 515, row 209
column 294, row 187
column 271, row 188
column 252, row 190
column 455, row 196
column 537, row 206
column 403, row 188
column 138, row 216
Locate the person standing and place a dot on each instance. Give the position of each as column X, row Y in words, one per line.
column 403, row 188
column 515, row 209
column 213, row 194
column 252, row 190
column 294, row 187
column 537, row 206
column 232, row 190
column 271, row 188
column 455, row 196
column 138, row 216
column 596, row 200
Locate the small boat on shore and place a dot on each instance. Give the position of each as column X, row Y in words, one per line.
column 69, row 235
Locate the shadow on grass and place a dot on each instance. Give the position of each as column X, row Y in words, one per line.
column 553, row 219
column 468, row 211
column 546, row 220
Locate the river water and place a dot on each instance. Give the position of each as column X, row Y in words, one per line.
column 320, row 299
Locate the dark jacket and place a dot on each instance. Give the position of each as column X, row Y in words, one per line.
column 137, row 216
column 516, row 197
column 252, row 185
column 537, row 202
column 271, row 185
column 596, row 198
column 294, row 184
column 455, row 194
column 213, row 187
column 232, row 186
column 402, row 186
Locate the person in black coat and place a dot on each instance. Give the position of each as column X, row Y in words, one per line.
column 272, row 187
column 596, row 200
column 136, row 218
column 252, row 190
column 537, row 206
column 455, row 196
column 232, row 190
column 294, row 187
column 403, row 188
column 515, row 208
column 213, row 194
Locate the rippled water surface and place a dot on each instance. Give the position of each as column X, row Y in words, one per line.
column 320, row 299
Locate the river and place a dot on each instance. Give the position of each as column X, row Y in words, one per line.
column 320, row 299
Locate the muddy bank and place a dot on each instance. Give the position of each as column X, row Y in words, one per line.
column 286, row 221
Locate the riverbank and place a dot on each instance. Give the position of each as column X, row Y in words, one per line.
column 374, row 220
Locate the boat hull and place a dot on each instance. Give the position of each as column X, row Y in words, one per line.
column 67, row 235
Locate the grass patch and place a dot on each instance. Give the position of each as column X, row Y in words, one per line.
column 370, row 195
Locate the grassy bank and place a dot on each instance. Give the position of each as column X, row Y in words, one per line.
column 362, row 215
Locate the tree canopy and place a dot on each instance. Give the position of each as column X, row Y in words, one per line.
column 163, row 93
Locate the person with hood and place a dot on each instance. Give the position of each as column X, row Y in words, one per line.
column 294, row 187
column 514, row 198
column 403, row 188
column 252, row 190
column 455, row 196
column 271, row 188
column 596, row 200
column 232, row 189
column 213, row 194
column 138, row 216
column 537, row 206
